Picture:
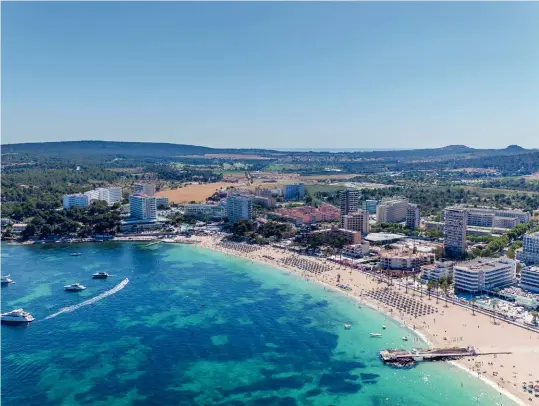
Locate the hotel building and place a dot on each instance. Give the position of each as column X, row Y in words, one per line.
column 455, row 227
column 239, row 208
column 436, row 271
column 484, row 274
column 147, row 189
column 413, row 216
column 529, row 278
column 358, row 221
column 295, row 191
column 143, row 207
column 349, row 200
column 205, row 211
column 529, row 253
column 404, row 259
column 75, row 200
column 392, row 211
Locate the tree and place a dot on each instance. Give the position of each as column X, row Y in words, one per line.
column 436, row 285
column 534, row 315
column 494, row 303
column 430, row 285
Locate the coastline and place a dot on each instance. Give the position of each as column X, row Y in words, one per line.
column 486, row 368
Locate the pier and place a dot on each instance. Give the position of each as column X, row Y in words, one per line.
column 399, row 357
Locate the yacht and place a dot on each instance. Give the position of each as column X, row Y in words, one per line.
column 17, row 316
column 5, row 280
column 76, row 254
column 376, row 335
column 100, row 275
column 75, row 287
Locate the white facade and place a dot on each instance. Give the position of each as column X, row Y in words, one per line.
column 358, row 221
column 413, row 216
column 239, row 208
column 110, row 195
column 405, row 260
column 491, row 217
column 356, row 250
column 147, row 189
column 438, row 270
column 75, row 200
column 529, row 253
column 391, row 211
column 455, row 227
column 205, row 211
column 529, row 278
column 115, row 195
column 484, row 274
column 143, row 207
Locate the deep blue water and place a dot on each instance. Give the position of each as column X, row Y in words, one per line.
column 195, row 327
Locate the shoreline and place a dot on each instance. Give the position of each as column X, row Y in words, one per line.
column 429, row 334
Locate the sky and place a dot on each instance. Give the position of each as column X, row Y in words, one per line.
column 272, row 75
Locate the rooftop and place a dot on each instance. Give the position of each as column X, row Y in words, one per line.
column 484, row 264
column 381, row 237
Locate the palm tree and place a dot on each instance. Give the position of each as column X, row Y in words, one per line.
column 414, row 277
column 430, row 285
column 473, row 305
column 436, row 286
column 421, row 283
column 494, row 305
column 338, row 278
column 443, row 284
column 534, row 314
column 406, row 282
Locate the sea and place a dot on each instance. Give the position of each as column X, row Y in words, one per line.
column 184, row 325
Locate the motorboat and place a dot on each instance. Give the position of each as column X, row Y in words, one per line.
column 5, row 280
column 74, row 287
column 384, row 327
column 100, row 275
column 376, row 335
column 347, row 326
column 404, row 338
column 76, row 254
column 17, row 316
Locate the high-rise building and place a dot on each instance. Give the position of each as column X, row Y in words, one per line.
column 349, row 199
column 370, row 205
column 75, row 200
column 491, row 217
column 358, row 221
column 161, row 202
column 295, row 191
column 110, row 195
column 115, row 194
column 529, row 253
column 147, row 189
column 484, row 274
column 239, row 208
column 413, row 216
column 143, row 207
column 529, row 278
column 455, row 227
column 392, row 211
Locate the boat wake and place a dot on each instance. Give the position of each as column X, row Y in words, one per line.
column 97, row 298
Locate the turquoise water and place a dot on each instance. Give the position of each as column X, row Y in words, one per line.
column 196, row 327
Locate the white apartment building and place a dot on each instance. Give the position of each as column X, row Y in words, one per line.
column 239, row 208
column 491, row 217
column 529, row 253
column 110, row 195
column 356, row 250
column 147, row 189
column 529, row 278
column 436, row 271
column 349, row 200
column 455, row 227
column 413, row 216
column 358, row 221
column 205, row 211
column 391, row 211
column 405, row 259
column 75, row 200
column 484, row 274
column 142, row 207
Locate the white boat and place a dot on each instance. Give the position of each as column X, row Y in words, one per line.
column 384, row 327
column 376, row 335
column 5, row 280
column 17, row 316
column 100, row 275
column 347, row 326
column 75, row 287
column 404, row 338
column 76, row 254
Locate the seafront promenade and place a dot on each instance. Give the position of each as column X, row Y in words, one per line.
column 450, row 324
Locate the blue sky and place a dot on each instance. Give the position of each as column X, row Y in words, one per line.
column 274, row 75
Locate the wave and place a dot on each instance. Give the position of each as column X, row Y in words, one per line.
column 97, row 298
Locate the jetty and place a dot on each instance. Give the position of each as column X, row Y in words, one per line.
column 403, row 358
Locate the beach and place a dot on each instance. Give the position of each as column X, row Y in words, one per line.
column 446, row 326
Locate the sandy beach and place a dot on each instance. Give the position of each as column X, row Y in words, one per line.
column 442, row 326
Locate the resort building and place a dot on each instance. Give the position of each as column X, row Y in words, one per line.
column 18, row 228
column 484, row 274
column 147, row 189
column 491, row 217
column 263, row 192
column 239, row 208
column 358, row 221
column 351, row 237
column 110, row 195
column 356, row 250
column 392, row 211
column 142, row 207
column 413, row 216
column 529, row 278
column 205, row 212
column 309, row 214
column 437, row 270
column 349, row 201
column 161, row 202
column 268, row 202
column 75, row 200
column 404, row 259
column 455, row 227
column 370, row 205
column 529, row 253
column 295, row 191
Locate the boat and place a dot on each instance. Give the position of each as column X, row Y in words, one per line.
column 384, row 327
column 5, row 280
column 404, row 338
column 75, row 287
column 17, row 316
column 376, row 335
column 347, row 326
column 100, row 275
column 76, row 254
